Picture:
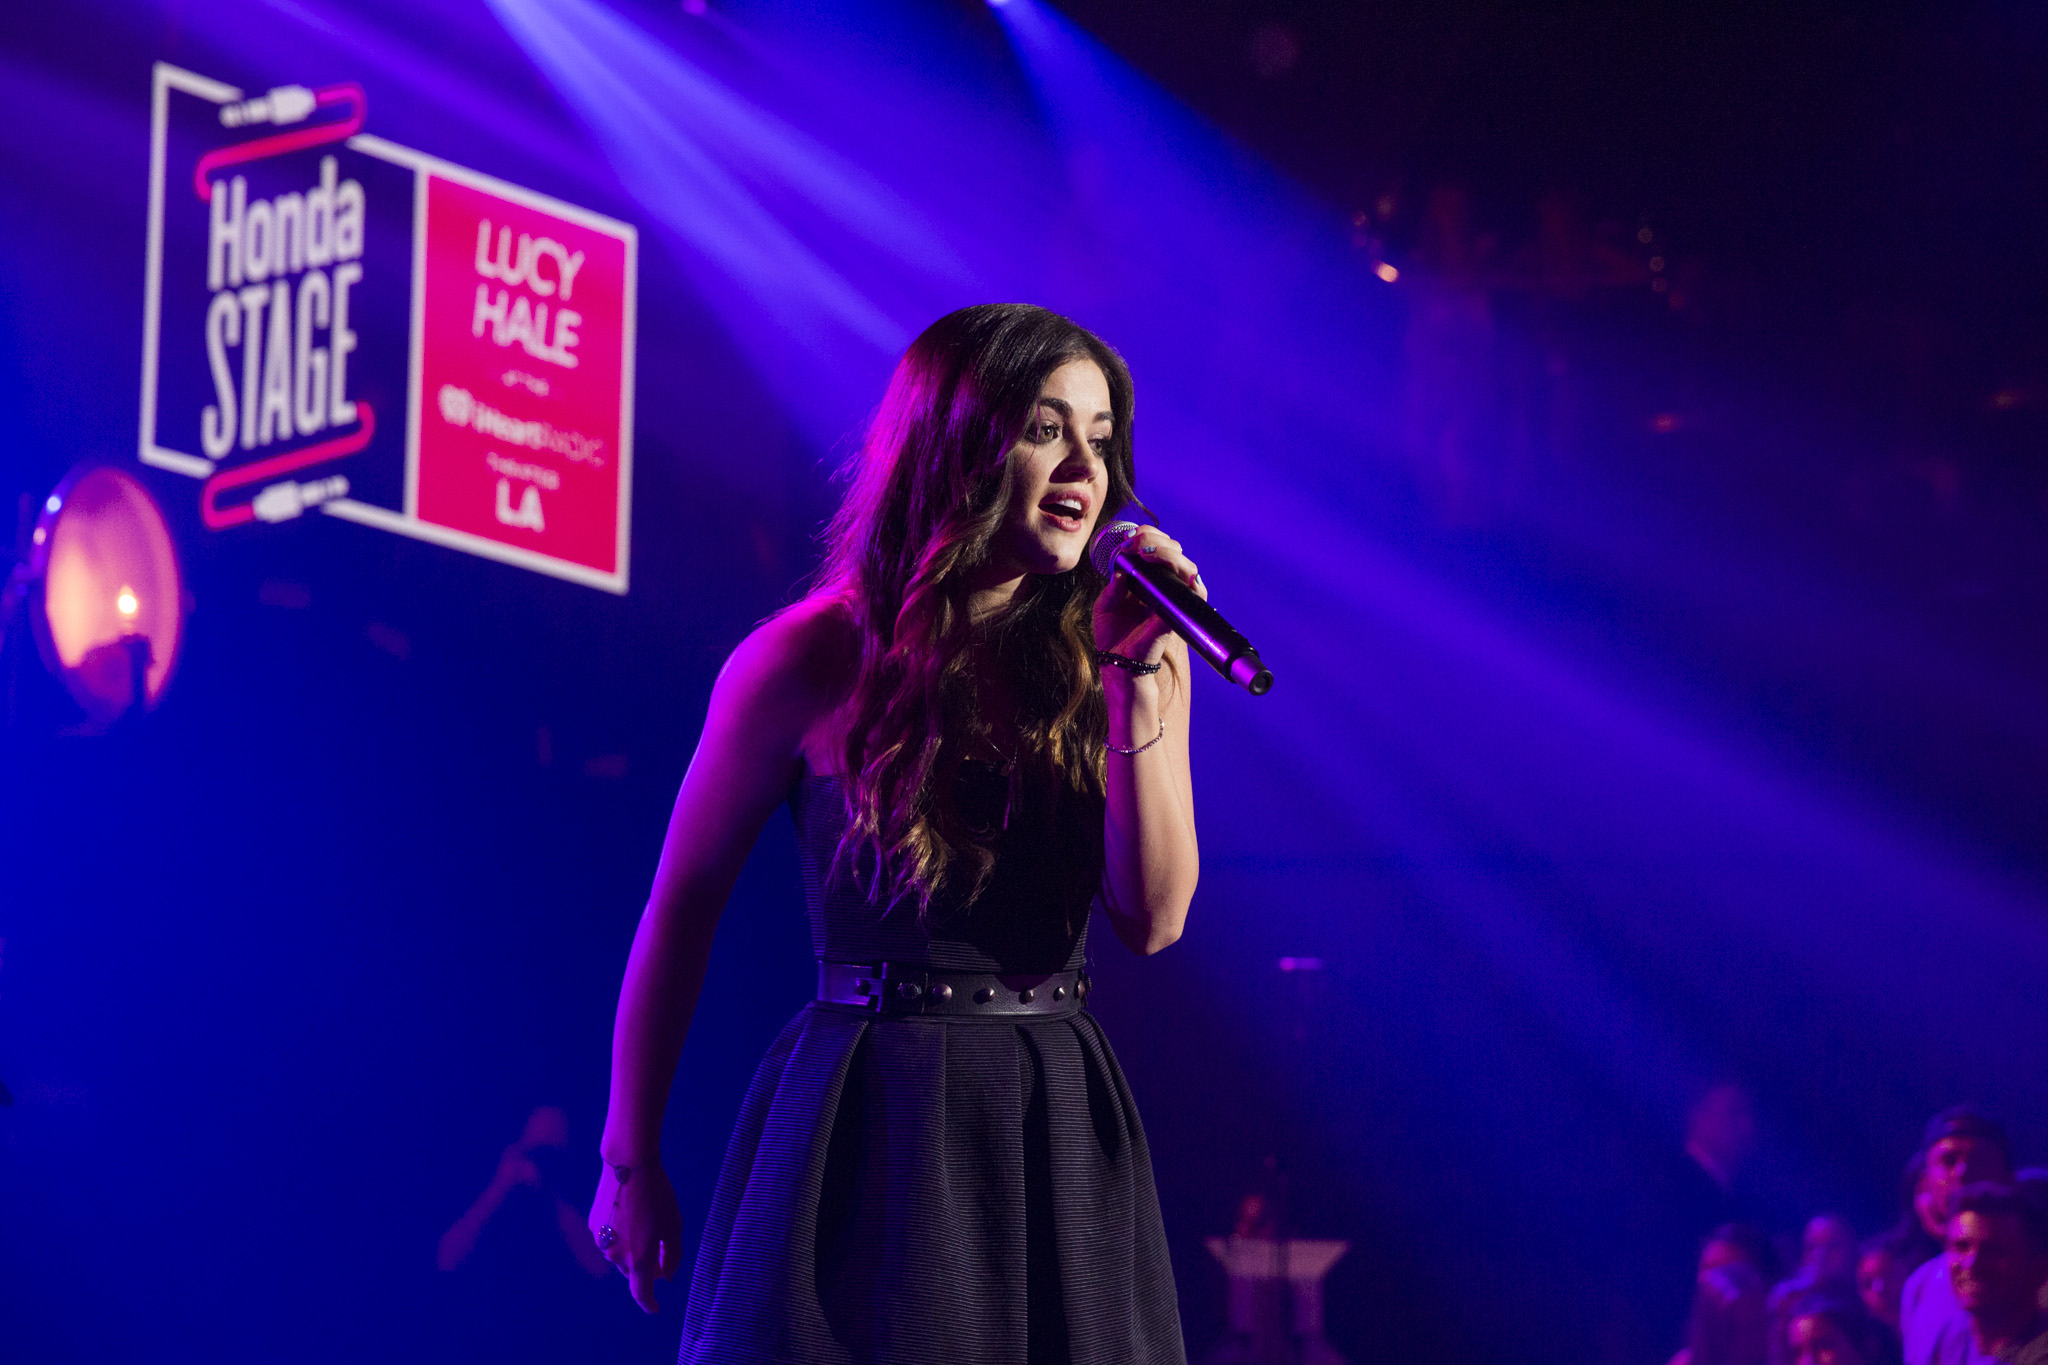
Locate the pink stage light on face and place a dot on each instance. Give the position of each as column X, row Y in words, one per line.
column 109, row 601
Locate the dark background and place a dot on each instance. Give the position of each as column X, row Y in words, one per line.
column 1661, row 687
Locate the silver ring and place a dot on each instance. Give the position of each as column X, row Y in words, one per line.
column 607, row 1238
column 1148, row 549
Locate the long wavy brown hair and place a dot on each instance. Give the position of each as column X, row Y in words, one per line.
column 929, row 489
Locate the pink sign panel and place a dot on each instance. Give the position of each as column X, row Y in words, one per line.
column 523, row 328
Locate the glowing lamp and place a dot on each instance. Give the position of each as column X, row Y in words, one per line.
column 105, row 594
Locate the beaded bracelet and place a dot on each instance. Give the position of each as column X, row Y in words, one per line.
column 1128, row 665
column 1142, row 747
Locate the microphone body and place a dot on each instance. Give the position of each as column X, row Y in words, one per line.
column 1181, row 607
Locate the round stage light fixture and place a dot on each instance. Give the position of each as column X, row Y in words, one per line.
column 105, row 594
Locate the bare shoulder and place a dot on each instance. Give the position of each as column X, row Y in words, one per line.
column 798, row 663
column 767, row 702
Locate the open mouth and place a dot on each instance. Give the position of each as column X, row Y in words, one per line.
column 1069, row 510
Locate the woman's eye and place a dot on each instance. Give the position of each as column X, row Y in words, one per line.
column 1100, row 444
column 1046, row 431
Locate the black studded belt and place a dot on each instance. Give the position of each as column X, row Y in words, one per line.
column 907, row 988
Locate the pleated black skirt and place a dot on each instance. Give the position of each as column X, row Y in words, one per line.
column 911, row 1191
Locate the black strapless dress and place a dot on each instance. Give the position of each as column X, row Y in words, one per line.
column 918, row 1191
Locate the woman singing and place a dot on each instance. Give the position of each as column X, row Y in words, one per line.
column 938, row 1160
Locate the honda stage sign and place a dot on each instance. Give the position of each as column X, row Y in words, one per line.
column 333, row 321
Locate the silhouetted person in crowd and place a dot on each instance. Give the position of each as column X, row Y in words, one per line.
column 1831, row 1330
column 547, row 1130
column 1743, row 1244
column 1961, row 1147
column 1828, row 1254
column 1720, row 1137
column 1696, row 1190
column 1257, row 1216
column 1998, row 1262
column 2032, row 1184
column 1730, row 1323
column 1827, row 1269
column 1881, row 1270
column 1728, row 1319
column 520, row 1279
column 1551, row 290
column 1920, row 1244
column 1451, row 381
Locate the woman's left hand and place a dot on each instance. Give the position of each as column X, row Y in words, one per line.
column 1123, row 623
column 645, row 1226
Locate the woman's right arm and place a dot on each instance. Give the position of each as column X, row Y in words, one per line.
column 772, row 693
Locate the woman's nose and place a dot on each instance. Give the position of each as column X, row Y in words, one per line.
column 1082, row 460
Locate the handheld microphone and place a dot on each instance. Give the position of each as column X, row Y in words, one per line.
column 1180, row 606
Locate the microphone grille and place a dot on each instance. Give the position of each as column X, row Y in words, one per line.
column 1108, row 541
